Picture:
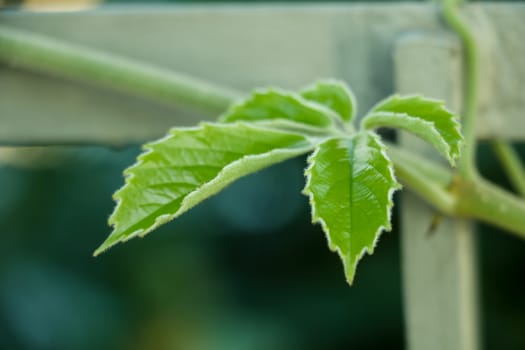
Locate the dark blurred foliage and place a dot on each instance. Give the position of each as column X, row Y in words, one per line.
column 244, row 270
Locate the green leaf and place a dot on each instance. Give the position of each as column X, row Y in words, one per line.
column 335, row 95
column 274, row 104
column 424, row 117
column 350, row 182
column 420, row 127
column 190, row 165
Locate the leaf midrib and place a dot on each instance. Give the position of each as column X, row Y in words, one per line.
column 351, row 158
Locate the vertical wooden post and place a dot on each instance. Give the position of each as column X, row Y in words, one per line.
column 439, row 284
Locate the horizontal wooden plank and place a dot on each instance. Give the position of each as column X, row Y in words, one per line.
column 244, row 46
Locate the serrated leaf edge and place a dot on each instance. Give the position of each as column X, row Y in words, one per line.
column 257, row 92
column 384, row 101
column 345, row 87
column 317, row 219
column 108, row 243
column 437, row 139
column 442, row 105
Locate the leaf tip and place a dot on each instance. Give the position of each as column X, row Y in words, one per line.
column 350, row 262
column 350, row 270
column 108, row 243
column 350, row 279
column 114, row 238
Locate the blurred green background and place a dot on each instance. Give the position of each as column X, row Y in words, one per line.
column 244, row 270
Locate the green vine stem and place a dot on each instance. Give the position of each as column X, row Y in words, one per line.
column 426, row 178
column 467, row 163
column 512, row 164
column 482, row 200
column 457, row 196
column 503, row 150
column 464, row 196
column 20, row 48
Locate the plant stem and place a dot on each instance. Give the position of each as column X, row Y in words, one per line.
column 512, row 164
column 426, row 178
column 44, row 54
column 432, row 170
column 457, row 196
column 476, row 197
column 487, row 202
column 467, row 162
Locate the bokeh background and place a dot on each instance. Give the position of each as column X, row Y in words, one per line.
column 243, row 270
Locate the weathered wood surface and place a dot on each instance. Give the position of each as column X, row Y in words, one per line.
column 438, row 264
column 244, row 46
